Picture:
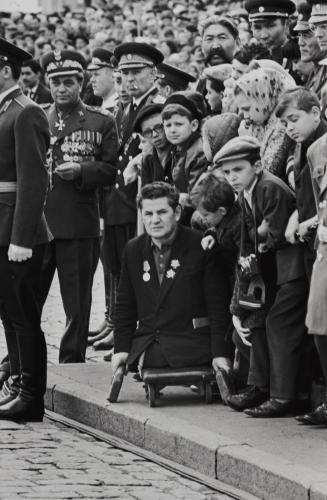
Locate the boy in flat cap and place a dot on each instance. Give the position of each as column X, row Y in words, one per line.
column 268, row 20
column 82, row 158
column 137, row 64
column 24, row 140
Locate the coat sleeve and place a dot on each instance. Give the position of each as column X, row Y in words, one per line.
column 32, row 139
column 126, row 309
column 216, row 290
column 102, row 172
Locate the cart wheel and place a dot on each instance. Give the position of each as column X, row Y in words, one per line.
column 208, row 393
column 152, row 395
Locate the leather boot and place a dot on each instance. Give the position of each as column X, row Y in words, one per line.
column 11, row 364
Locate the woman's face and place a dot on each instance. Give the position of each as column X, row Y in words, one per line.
column 250, row 110
column 213, row 97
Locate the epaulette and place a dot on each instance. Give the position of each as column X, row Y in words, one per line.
column 21, row 103
column 97, row 109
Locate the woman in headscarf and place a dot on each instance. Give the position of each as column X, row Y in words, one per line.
column 257, row 94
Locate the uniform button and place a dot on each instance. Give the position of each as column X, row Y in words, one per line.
column 117, row 186
column 120, row 158
column 118, row 172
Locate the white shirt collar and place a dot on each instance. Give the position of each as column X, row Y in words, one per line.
column 110, row 102
column 7, row 92
column 248, row 192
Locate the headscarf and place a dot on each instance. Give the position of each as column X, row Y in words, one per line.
column 264, row 87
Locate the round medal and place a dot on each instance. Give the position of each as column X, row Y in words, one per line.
column 146, row 277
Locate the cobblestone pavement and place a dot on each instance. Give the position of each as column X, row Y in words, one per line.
column 47, row 460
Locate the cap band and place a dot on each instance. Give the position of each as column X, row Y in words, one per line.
column 319, row 13
column 66, row 67
column 134, row 61
column 256, row 16
column 97, row 63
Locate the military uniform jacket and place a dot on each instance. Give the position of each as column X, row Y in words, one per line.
column 120, row 200
column 89, row 138
column 24, row 140
column 194, row 286
column 318, row 77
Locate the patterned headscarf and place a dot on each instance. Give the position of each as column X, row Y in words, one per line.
column 264, row 87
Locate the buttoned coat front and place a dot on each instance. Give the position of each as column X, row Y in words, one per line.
column 194, row 286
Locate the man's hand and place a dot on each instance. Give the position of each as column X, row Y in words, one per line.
column 208, row 242
column 19, row 254
column 132, row 169
column 117, row 360
column 292, row 228
column 69, row 171
column 221, row 363
column 242, row 332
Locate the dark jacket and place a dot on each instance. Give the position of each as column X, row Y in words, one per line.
column 89, row 138
column 147, row 311
column 42, row 95
column 152, row 168
column 24, row 140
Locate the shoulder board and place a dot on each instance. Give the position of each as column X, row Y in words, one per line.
column 96, row 109
column 45, row 105
column 19, row 101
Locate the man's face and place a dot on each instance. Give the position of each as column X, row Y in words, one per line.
column 102, row 81
column 138, row 80
column 299, row 124
column 153, row 131
column 239, row 173
column 271, row 32
column 65, row 90
column 218, row 44
column 29, row 78
column 309, row 46
column 320, row 32
column 179, row 128
column 159, row 219
column 120, row 88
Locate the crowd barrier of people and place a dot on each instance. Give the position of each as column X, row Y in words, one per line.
column 184, row 145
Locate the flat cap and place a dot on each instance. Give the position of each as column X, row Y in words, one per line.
column 176, row 78
column 11, row 53
column 101, row 58
column 63, row 62
column 144, row 113
column 261, row 9
column 181, row 100
column 319, row 11
column 304, row 13
column 238, row 148
column 137, row 55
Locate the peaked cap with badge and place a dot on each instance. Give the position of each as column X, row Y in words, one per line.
column 63, row 62
column 319, row 11
column 11, row 53
column 304, row 10
column 101, row 58
column 261, row 9
column 137, row 55
column 176, row 78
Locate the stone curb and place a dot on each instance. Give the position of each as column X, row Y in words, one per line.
column 262, row 474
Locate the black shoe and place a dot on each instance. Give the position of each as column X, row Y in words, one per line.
column 226, row 384
column 270, row 409
column 19, row 409
column 108, row 356
column 250, row 398
column 4, row 375
column 105, row 343
column 102, row 326
column 317, row 417
column 99, row 336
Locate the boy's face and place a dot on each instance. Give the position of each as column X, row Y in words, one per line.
column 239, row 173
column 213, row 219
column 179, row 128
column 299, row 124
column 270, row 32
column 152, row 130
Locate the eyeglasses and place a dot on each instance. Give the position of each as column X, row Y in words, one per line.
column 148, row 132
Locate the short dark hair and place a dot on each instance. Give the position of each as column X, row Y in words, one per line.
column 213, row 192
column 157, row 190
column 15, row 68
column 33, row 64
column 302, row 98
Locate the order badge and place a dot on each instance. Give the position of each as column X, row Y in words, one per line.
column 146, row 277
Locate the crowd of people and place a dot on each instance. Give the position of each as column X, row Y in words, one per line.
column 183, row 144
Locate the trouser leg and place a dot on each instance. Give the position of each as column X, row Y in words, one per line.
column 259, row 360
column 76, row 263
column 321, row 345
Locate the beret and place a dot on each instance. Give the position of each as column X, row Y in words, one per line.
column 63, row 62
column 319, row 11
column 144, row 113
column 183, row 101
column 101, row 58
column 11, row 53
column 137, row 55
column 260, row 9
column 174, row 77
column 238, row 148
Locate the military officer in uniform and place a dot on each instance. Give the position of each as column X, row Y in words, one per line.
column 82, row 158
column 171, row 79
column 268, row 19
column 137, row 64
column 310, row 50
column 24, row 140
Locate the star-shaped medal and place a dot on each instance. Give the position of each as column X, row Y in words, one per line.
column 170, row 274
